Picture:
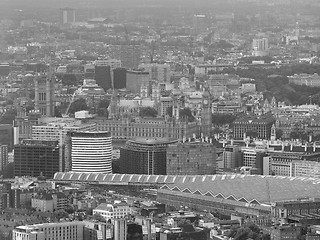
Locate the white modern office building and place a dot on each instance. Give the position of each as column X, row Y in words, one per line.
column 91, row 151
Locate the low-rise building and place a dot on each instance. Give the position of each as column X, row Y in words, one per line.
column 113, row 211
column 286, row 232
column 52, row 231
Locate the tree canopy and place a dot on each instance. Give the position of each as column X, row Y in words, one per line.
column 78, row 105
column 186, row 114
column 222, row 119
column 148, row 112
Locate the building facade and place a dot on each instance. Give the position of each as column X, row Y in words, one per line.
column 191, row 158
column 113, row 211
column 259, row 125
column 3, row 156
column 52, row 231
column 44, row 94
column 102, row 76
column 36, row 157
column 144, row 156
column 119, row 78
column 147, row 127
column 91, row 151
column 6, row 136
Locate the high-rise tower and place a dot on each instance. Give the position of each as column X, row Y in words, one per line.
column 206, row 113
column 44, row 94
column 67, row 15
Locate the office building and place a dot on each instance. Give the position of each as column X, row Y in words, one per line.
column 165, row 103
column 102, row 75
column 44, row 94
column 56, row 129
column 119, row 78
column 120, row 229
column 91, row 151
column 6, row 136
column 253, row 159
column 113, row 211
column 136, row 79
column 260, row 125
column 67, row 15
column 128, row 54
column 158, row 72
column 232, row 157
column 144, row 156
column 52, row 231
column 199, row 23
column 24, row 122
column 147, row 127
column 3, row 156
column 36, row 157
column 191, row 158
column 260, row 47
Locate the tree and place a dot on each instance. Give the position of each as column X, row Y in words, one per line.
column 78, row 105
column 103, row 107
column 148, row 112
column 186, row 114
column 8, row 171
column 252, row 133
column 104, row 103
column 169, row 111
column 59, row 214
column 98, row 217
column 279, row 133
column 8, row 117
column 69, row 210
column 222, row 119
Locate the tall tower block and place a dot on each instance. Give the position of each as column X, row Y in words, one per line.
column 44, row 94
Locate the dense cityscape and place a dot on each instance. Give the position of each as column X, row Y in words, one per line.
column 160, row 120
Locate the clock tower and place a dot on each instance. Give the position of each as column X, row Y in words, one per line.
column 206, row 113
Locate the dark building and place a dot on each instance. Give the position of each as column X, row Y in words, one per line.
column 4, row 195
column 103, row 76
column 119, row 78
column 185, row 232
column 134, row 231
column 24, row 121
column 286, row 232
column 297, row 211
column 6, row 135
column 4, row 69
column 35, row 67
column 36, row 157
column 260, row 126
column 191, row 158
column 144, row 156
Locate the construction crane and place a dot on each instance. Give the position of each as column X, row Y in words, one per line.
column 76, row 92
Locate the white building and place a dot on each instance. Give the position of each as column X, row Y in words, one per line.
column 260, row 47
column 52, row 231
column 158, row 72
column 91, row 151
column 113, row 211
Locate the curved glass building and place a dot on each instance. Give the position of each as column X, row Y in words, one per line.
column 91, row 151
